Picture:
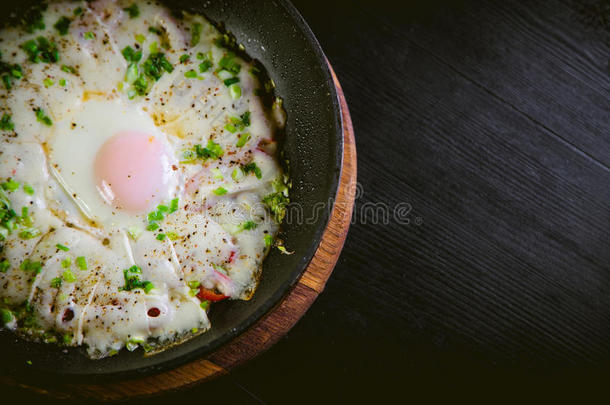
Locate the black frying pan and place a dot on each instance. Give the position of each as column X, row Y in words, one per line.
column 276, row 35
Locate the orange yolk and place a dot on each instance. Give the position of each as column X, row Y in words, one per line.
column 132, row 171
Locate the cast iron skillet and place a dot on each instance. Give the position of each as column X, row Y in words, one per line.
column 274, row 33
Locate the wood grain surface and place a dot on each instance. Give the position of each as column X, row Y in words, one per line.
column 266, row 331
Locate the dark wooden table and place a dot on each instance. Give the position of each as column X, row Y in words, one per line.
column 483, row 131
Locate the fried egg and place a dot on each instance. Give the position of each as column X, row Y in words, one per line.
column 139, row 175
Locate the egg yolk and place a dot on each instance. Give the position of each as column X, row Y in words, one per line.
column 132, row 171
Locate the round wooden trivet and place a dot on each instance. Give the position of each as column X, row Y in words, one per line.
column 267, row 330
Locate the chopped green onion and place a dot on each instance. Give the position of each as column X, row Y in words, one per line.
column 235, row 91
column 66, row 262
column 205, row 305
column 268, row 240
column 155, row 64
column 4, row 265
column 28, row 265
column 252, row 167
column 68, row 276
column 283, row 250
column 173, row 206
column 243, row 139
column 229, row 82
column 42, row 117
column 68, row 69
column 62, row 25
column 140, row 38
column 191, row 74
column 41, row 50
column 56, row 282
column 228, row 63
column 147, row 285
column 81, row 262
column 220, row 191
column 230, row 128
column 62, row 82
column 196, row 33
column 161, row 236
column 132, row 73
column 29, row 233
column 28, row 189
column 62, row 247
column 184, row 58
column 133, row 10
column 10, row 185
column 237, row 174
column 249, row 225
column 89, row 35
column 205, row 66
column 48, row 82
column 194, row 284
column 6, row 123
column 131, row 55
column 153, row 226
column 155, row 30
column 6, row 315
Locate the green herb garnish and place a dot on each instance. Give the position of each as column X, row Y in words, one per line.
column 249, row 225
column 252, row 168
column 29, row 233
column 62, row 247
column 235, row 91
column 131, row 55
column 42, row 117
column 156, row 64
column 243, row 139
column 68, row 276
column 41, row 50
column 56, row 282
column 81, row 262
column 230, row 81
column 220, row 191
column 133, row 280
column 196, row 33
column 268, row 240
column 6, row 123
column 133, row 11
column 62, row 25
column 28, row 265
column 276, row 202
column 68, row 69
column 4, row 265
column 29, row 190
column 10, row 185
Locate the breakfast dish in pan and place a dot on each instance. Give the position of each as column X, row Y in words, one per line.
column 140, row 174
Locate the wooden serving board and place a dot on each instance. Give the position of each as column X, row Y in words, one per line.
column 269, row 329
